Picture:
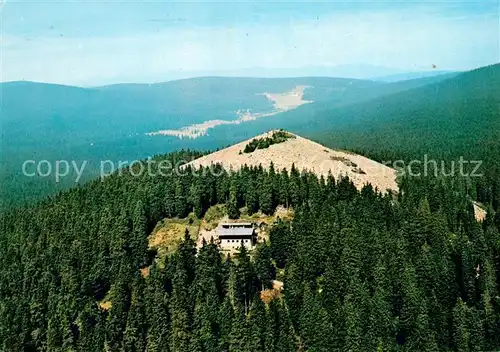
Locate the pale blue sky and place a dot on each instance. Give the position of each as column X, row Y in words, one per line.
column 102, row 42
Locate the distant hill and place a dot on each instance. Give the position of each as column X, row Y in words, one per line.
column 237, row 92
column 449, row 114
column 457, row 116
column 446, row 115
column 309, row 117
column 412, row 75
column 358, row 71
column 53, row 122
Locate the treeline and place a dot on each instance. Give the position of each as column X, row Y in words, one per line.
column 362, row 271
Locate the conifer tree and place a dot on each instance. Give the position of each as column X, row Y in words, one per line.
column 294, row 290
column 333, row 301
column 282, row 190
column 294, row 187
column 476, row 329
column 119, row 310
column 350, row 259
column 181, row 205
column 266, row 195
column 186, row 257
column 169, row 203
column 134, row 336
column 209, row 268
column 272, row 327
column 264, row 268
column 461, row 334
column 315, row 327
column 273, row 181
column 381, row 330
column 91, row 326
column 255, row 325
column 355, row 307
column 180, row 311
column 232, row 206
column 245, row 278
column 237, row 335
column 225, row 321
column 119, row 242
column 421, row 337
column 205, row 331
column 158, row 318
column 251, row 197
column 286, row 337
column 139, row 242
column 281, row 242
column 197, row 197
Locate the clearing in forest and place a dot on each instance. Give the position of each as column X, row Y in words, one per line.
column 305, row 155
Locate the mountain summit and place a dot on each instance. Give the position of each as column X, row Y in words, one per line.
column 285, row 149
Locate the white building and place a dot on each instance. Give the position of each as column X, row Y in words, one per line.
column 232, row 234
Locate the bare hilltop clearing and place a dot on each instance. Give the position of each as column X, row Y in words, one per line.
column 281, row 101
column 288, row 100
column 305, row 155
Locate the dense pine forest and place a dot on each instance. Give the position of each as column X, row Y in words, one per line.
column 361, row 270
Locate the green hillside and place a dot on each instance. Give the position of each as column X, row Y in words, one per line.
column 360, row 271
column 457, row 116
column 412, row 75
column 55, row 122
column 443, row 114
column 308, row 116
column 301, row 118
column 444, row 117
column 450, row 116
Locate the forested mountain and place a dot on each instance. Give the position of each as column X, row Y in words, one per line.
column 54, row 122
column 289, row 183
column 362, row 271
column 412, row 75
column 447, row 115
column 444, row 119
column 457, row 117
column 454, row 116
column 442, row 115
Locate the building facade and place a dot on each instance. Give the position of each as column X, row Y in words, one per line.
column 231, row 235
